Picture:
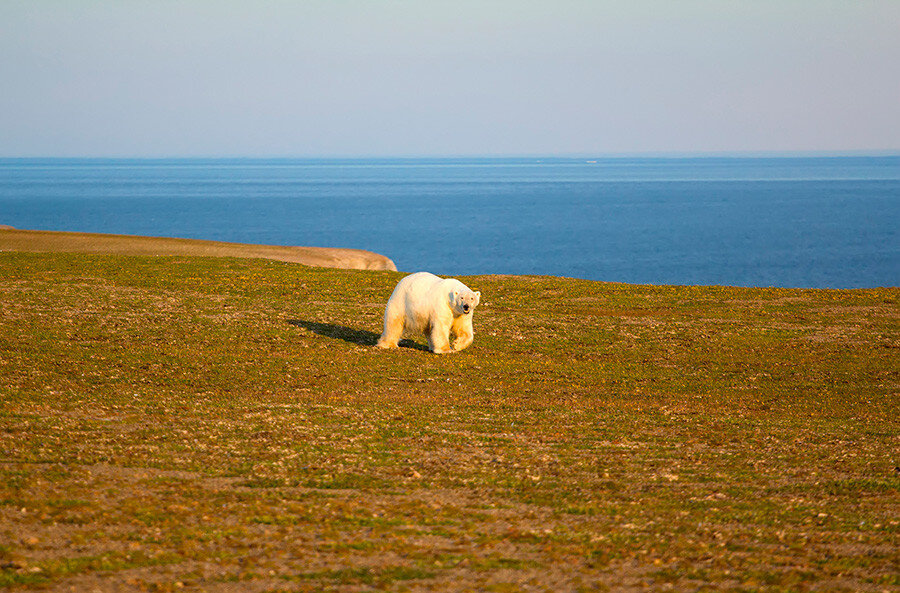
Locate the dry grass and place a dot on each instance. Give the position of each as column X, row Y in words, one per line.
column 227, row 425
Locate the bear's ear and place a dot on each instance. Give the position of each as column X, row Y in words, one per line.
column 454, row 294
column 477, row 296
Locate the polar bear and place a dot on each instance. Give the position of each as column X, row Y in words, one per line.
column 437, row 307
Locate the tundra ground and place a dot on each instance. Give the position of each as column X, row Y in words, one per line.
column 217, row 424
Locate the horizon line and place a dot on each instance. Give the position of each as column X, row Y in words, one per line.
column 499, row 156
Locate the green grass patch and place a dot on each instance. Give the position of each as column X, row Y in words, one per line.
column 373, row 577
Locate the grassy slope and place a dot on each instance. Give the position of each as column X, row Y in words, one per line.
column 54, row 241
column 226, row 424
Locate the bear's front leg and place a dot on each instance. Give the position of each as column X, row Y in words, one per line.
column 463, row 340
column 439, row 340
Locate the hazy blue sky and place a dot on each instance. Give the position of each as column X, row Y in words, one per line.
column 422, row 77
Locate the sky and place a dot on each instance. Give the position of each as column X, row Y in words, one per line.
column 268, row 78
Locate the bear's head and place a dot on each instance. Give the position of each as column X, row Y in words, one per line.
column 464, row 301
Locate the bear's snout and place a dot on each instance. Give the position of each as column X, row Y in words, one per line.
column 466, row 308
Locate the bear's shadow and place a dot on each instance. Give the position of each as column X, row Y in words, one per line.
column 349, row 334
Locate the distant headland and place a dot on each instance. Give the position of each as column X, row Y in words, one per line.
column 12, row 239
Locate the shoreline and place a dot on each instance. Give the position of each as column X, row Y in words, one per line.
column 12, row 239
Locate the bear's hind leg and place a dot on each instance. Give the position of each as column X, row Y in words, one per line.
column 393, row 331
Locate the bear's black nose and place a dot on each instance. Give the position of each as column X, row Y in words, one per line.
column 465, row 307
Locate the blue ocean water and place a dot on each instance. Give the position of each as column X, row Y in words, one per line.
column 791, row 222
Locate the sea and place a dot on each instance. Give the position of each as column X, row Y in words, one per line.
column 787, row 221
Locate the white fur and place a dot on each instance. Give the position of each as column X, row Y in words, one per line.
column 423, row 303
